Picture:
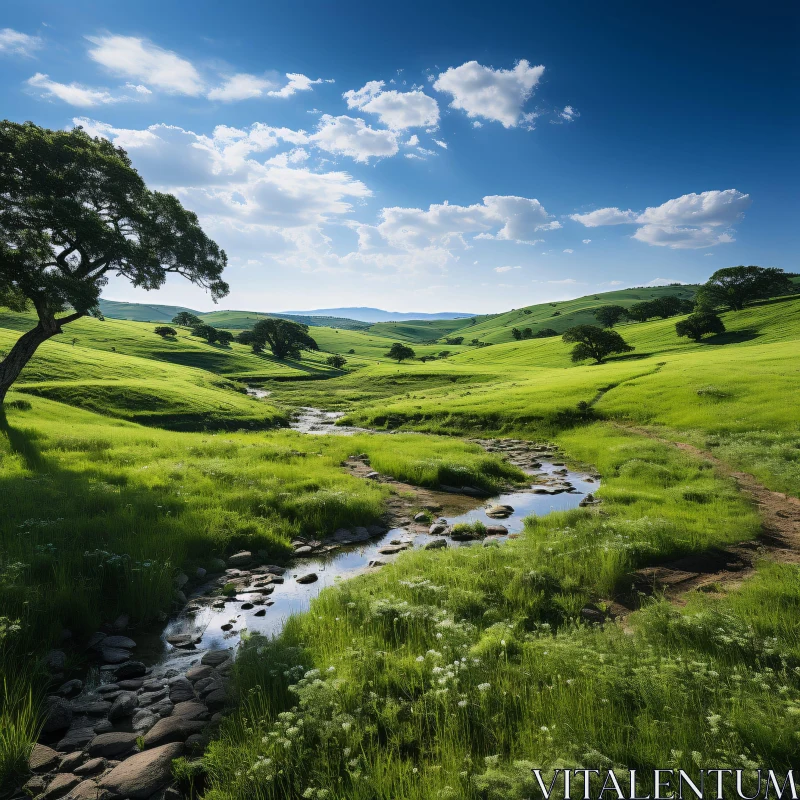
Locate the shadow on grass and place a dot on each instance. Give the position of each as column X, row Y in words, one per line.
column 733, row 337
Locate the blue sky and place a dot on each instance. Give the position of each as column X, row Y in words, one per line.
column 436, row 156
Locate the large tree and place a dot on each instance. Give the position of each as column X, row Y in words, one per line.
column 187, row 319
column 593, row 342
column 72, row 210
column 733, row 287
column 695, row 326
column 286, row 339
column 609, row 316
column 400, row 352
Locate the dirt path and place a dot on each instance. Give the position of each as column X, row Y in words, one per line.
column 779, row 540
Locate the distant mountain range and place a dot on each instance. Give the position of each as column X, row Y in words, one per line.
column 366, row 314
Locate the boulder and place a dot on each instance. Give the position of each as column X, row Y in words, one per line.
column 217, row 699
column 240, row 559
column 109, row 745
column 189, row 709
column 104, row 726
column 200, row 573
column 216, row 565
column 181, row 640
column 311, row 577
column 96, row 708
column 180, row 689
column 262, row 612
column 107, row 688
column 172, row 729
column 143, row 720
column 121, row 622
column 123, row 642
column 214, row 658
column 144, row 774
column 35, row 786
column 499, row 511
column 75, row 739
column 90, row 767
column 496, row 530
column 129, row 669
column 437, row 529
column 163, row 708
column 436, row 544
column 391, row 549
column 123, row 706
column 70, row 688
column 58, row 715
column 180, row 580
column 61, row 784
column 86, row 790
column 199, row 671
column 42, row 758
column 148, row 698
column 71, row 761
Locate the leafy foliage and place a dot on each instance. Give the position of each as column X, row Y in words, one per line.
column 400, row 352
column 593, row 342
column 609, row 316
column 285, row 339
column 734, row 287
column 695, row 326
column 336, row 361
column 165, row 330
column 187, row 319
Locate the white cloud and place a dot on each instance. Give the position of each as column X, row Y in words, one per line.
column 708, row 254
column 569, row 251
column 605, row 216
column 565, row 281
column 396, row 110
column 354, row 138
column 568, row 114
column 241, row 87
column 505, row 269
column 18, row 44
column 586, row 241
column 477, row 124
column 141, row 60
column 413, row 141
column 73, row 93
column 138, row 88
column 689, row 222
column 297, row 83
column 493, row 94
column 441, row 143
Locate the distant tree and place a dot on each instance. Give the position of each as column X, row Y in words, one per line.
column 351, row 352
column 186, row 320
column 545, row 333
column 474, row 342
column 444, row 353
column 248, row 338
column 400, row 352
column 73, row 210
column 207, row 332
column 527, row 333
column 516, row 333
column 640, row 312
column 526, row 311
column 286, row 339
column 75, row 341
column 695, row 326
column 336, row 361
column 224, row 337
column 609, row 316
column 165, row 330
column 454, row 340
column 556, row 314
column 593, row 342
column 667, row 306
column 686, row 306
column 734, row 287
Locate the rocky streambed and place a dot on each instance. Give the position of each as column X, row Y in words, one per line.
column 151, row 696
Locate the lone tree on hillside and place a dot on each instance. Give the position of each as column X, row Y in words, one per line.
column 72, row 209
column 545, row 333
column 609, row 316
column 165, row 330
column 516, row 333
column 249, row 338
column 593, row 342
column 733, row 287
column 224, row 337
column 336, row 361
column 695, row 326
column 187, row 320
column 400, row 352
column 286, row 339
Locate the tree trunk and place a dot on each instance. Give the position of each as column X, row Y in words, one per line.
column 25, row 347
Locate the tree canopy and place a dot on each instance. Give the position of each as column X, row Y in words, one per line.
column 73, row 209
column 400, row 352
column 595, row 343
column 286, row 339
column 336, row 361
column 165, row 330
column 609, row 316
column 695, row 326
column 186, row 319
column 734, row 287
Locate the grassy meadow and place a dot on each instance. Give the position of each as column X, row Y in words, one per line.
column 125, row 458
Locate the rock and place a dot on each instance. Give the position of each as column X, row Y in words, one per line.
column 75, row 739
column 163, row 708
column 373, row 476
column 246, row 606
column 148, row 698
column 123, row 642
column 435, row 544
column 123, row 706
column 180, row 580
column 262, row 612
column 498, row 511
column 104, row 726
column 189, row 709
column 61, row 784
column 42, row 758
column 240, row 559
column 96, row 708
column 56, row 660
column 107, row 688
column 131, row 685
column 180, row 689
column 195, row 742
column 206, row 685
column 216, row 700
column 377, row 562
column 200, row 573
column 35, row 786
column 153, row 685
column 216, row 565
column 86, row 790
column 214, row 658
column 121, row 622
column 391, row 549
column 198, row 672
column 422, row 516
column 114, row 655
column 90, row 767
column 593, row 615
column 179, row 597
column 171, row 729
column 181, row 640
column 129, row 669
column 58, row 715
column 71, row 761
column 95, row 639
column 437, row 529
column 143, row 720
column 112, row 744
column 311, row 577
column 496, row 530
column 144, row 774
column 70, row 688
